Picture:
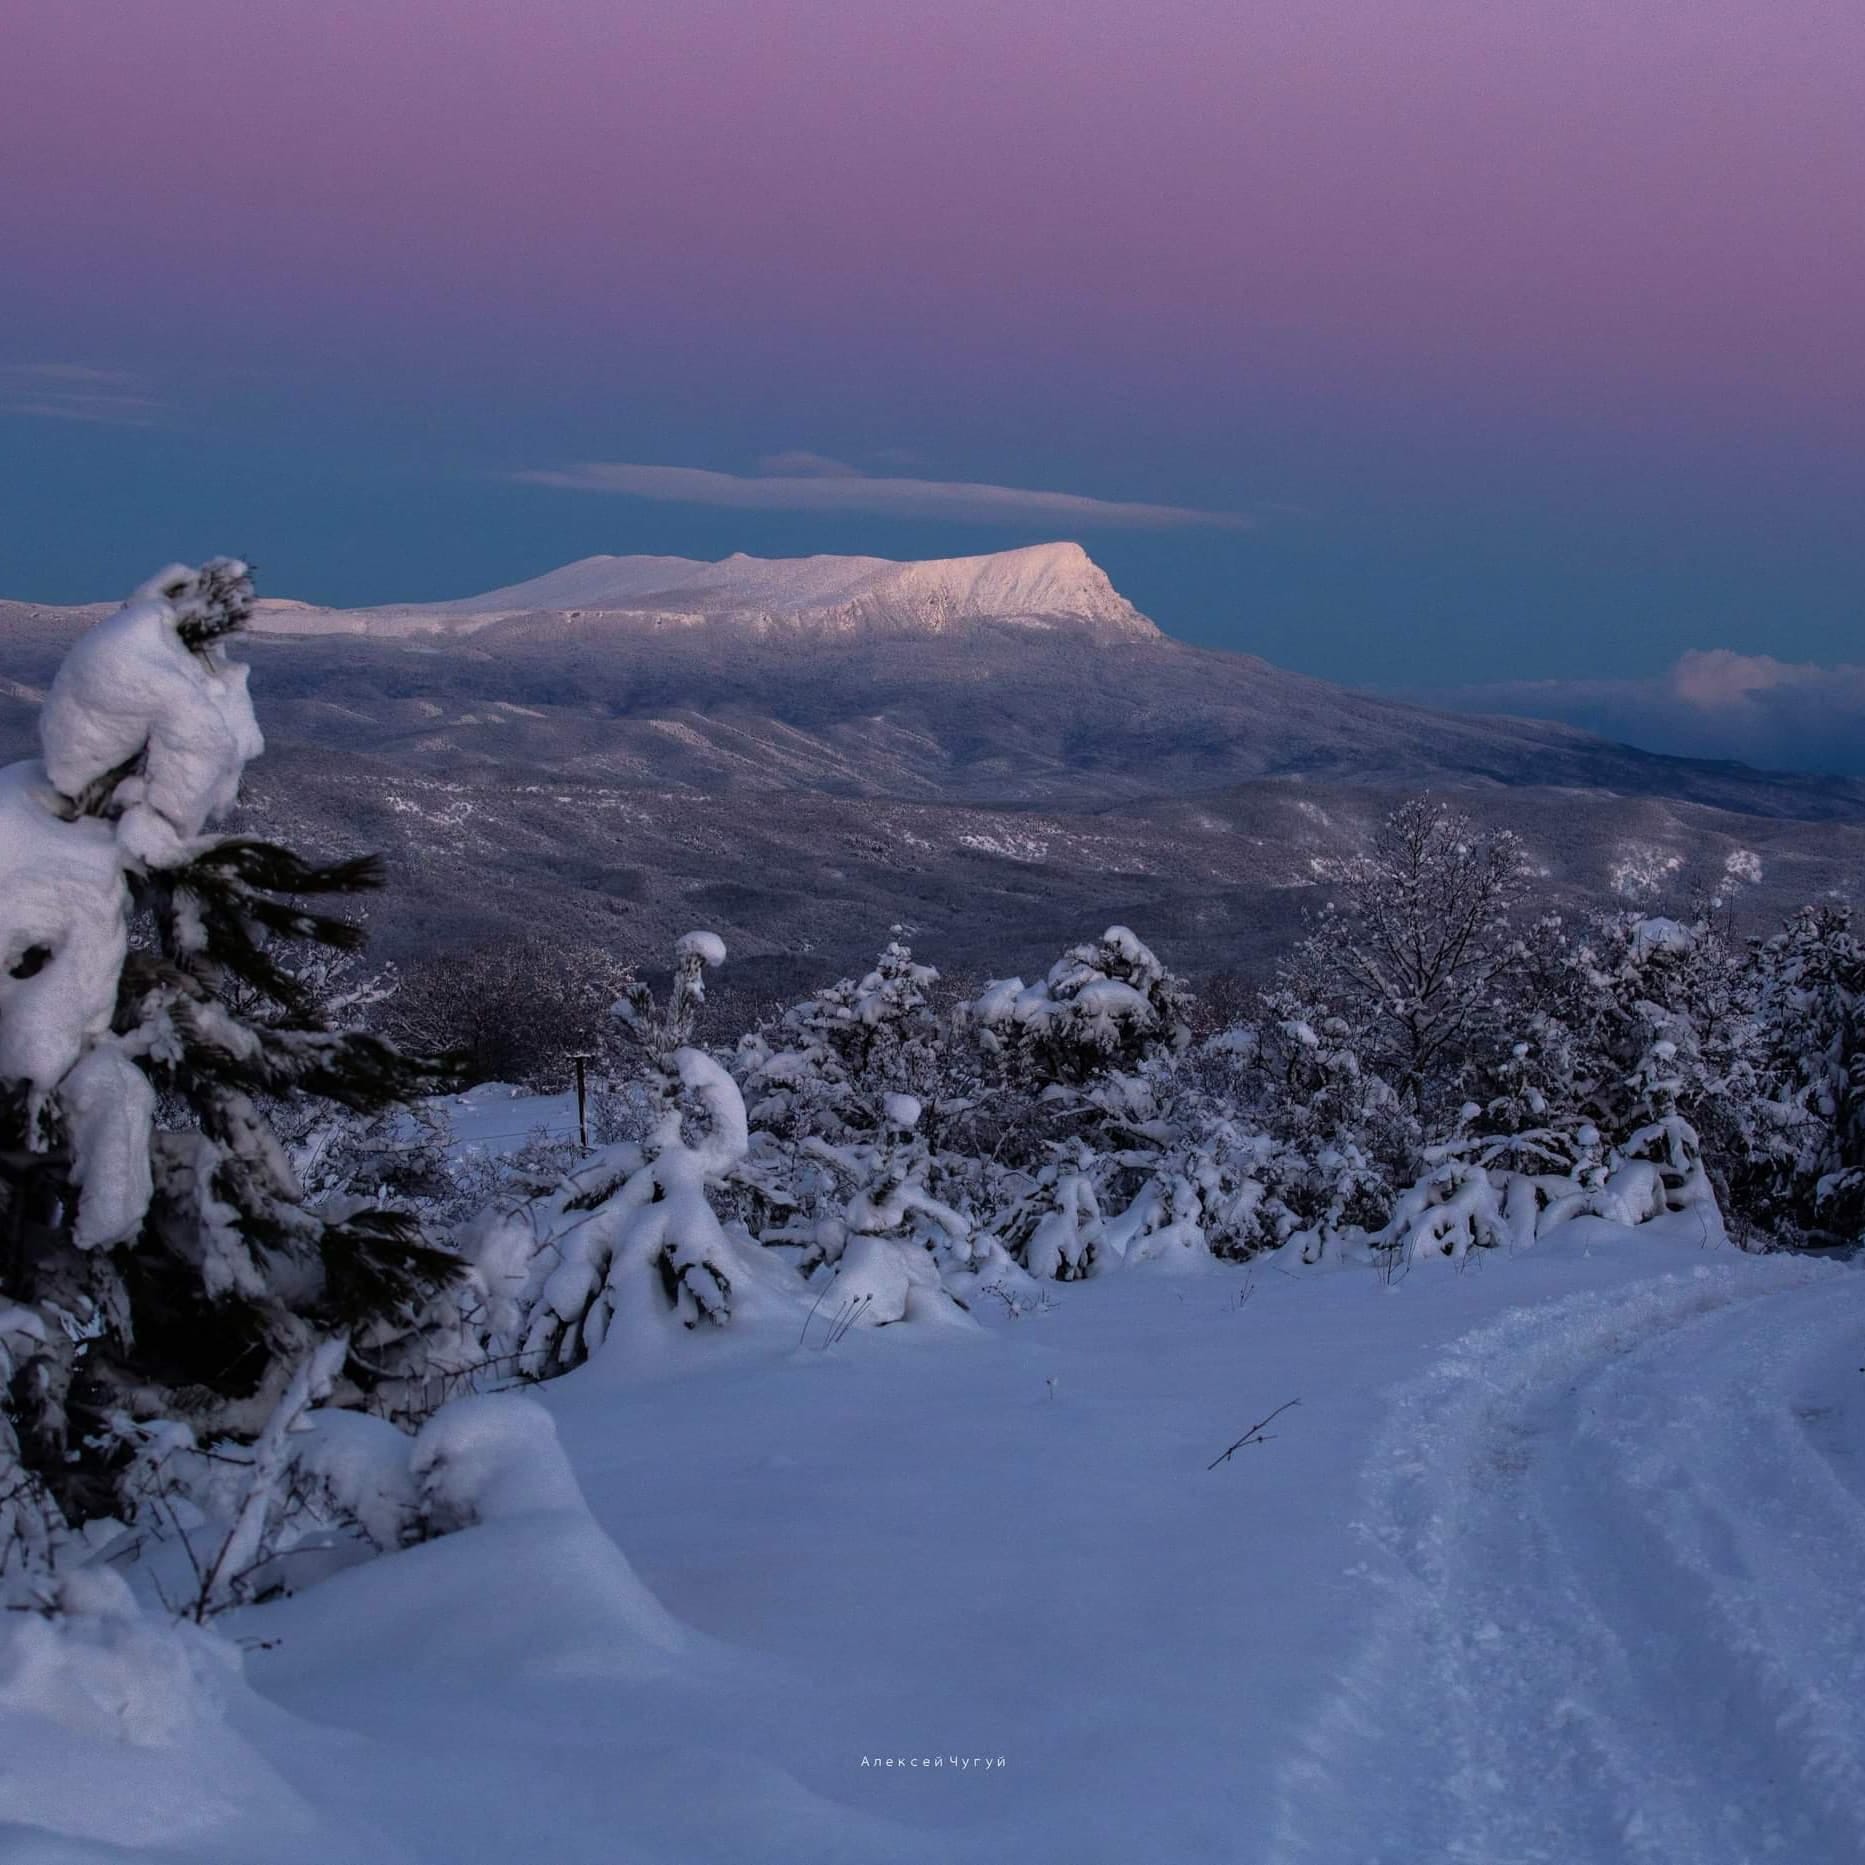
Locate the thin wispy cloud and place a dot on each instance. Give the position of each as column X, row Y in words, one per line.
column 808, row 482
column 77, row 392
column 800, row 463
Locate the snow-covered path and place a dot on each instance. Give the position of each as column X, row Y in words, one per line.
column 1616, row 1542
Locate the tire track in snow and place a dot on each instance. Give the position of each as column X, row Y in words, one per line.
column 1616, row 1606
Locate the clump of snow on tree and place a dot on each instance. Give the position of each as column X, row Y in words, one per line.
column 147, row 703
column 63, row 930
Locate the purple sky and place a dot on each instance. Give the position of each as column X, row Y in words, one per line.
column 1505, row 323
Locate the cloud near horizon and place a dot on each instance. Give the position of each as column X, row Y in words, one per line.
column 809, row 482
column 1710, row 703
column 76, row 392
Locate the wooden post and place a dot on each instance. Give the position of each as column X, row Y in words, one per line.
column 582, row 1103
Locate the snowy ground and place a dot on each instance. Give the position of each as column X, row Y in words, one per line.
column 1557, row 1559
column 497, row 1118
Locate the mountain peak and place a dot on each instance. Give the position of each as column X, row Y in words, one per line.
column 1049, row 586
column 1040, row 584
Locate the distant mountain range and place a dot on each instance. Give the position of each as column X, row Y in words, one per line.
column 999, row 752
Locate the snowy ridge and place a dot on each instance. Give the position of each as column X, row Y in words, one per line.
column 1044, row 585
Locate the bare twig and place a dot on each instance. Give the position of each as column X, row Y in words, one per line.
column 1014, row 1305
column 1253, row 1436
column 248, row 1540
column 846, row 1319
column 811, row 1316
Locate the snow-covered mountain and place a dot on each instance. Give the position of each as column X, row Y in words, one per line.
column 613, row 774
column 1044, row 586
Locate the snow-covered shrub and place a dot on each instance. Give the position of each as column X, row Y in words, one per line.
column 512, row 1577
column 351, row 1470
column 221, row 1522
column 1068, row 1108
column 1006, row 1091
column 129, row 1737
column 826, row 1072
column 897, row 1252
column 1530, row 1114
column 633, row 1225
column 1163, row 1223
column 1626, row 1095
column 1087, row 1211
column 1109, row 1004
column 1666, row 1018
column 485, row 1459
column 1456, row 1208
column 660, row 1031
column 322, row 1489
column 1063, row 1238
column 1668, row 1052
column 94, row 1666
column 1661, row 1167
column 882, row 1279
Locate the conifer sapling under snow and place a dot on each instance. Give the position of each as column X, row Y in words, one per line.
column 630, row 1241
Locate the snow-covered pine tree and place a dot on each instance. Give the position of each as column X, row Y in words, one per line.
column 157, row 1232
column 1346, row 1142
column 1803, row 1170
column 1528, row 1087
column 1667, row 1049
column 821, row 1075
column 824, row 1067
column 1068, row 1063
column 1209, row 1097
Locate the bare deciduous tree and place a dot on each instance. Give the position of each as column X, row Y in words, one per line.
column 515, row 1011
column 1418, row 946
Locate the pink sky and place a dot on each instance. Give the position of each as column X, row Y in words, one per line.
column 1530, row 327
column 1606, row 197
